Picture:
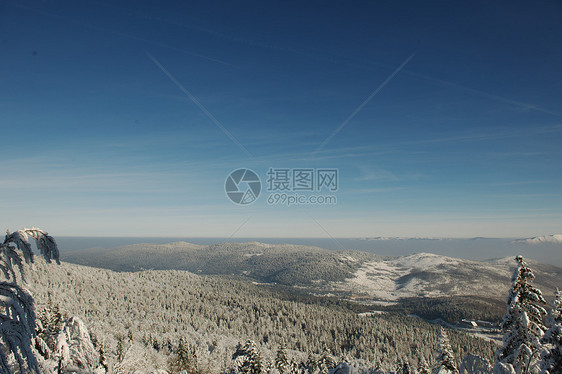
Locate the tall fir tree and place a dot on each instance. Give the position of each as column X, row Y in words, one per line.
column 445, row 362
column 282, row 362
column 120, row 350
column 326, row 362
column 185, row 359
column 551, row 360
column 248, row 359
column 523, row 323
column 406, row 368
column 424, row 367
column 102, row 360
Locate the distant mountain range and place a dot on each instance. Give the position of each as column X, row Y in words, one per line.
column 541, row 248
column 285, row 264
column 353, row 275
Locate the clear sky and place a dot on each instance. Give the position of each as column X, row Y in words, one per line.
column 444, row 119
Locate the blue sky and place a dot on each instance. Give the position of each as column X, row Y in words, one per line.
column 461, row 138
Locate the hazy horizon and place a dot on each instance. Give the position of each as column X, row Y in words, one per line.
column 471, row 249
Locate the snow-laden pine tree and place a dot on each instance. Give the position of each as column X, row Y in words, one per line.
column 74, row 349
column 102, row 360
column 473, row 364
column 445, row 361
column 326, row 362
column 185, row 359
column 406, row 368
column 282, row 362
column 551, row 361
column 17, row 313
column 248, row 359
column 49, row 324
column 120, row 349
column 320, row 364
column 423, row 367
column 523, row 323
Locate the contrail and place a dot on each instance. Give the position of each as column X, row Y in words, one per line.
column 239, row 227
column 199, row 105
column 375, row 92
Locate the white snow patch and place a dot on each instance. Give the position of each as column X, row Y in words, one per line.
column 418, row 275
column 372, row 313
column 556, row 239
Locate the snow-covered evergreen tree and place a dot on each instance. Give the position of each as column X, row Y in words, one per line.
column 423, row 367
column 17, row 314
column 406, row 368
column 102, row 360
column 473, row 364
column 320, row 364
column 551, row 361
column 120, row 349
column 248, row 359
column 326, row 362
column 185, row 359
column 50, row 323
column 282, row 362
column 522, row 324
column 445, row 362
column 74, row 349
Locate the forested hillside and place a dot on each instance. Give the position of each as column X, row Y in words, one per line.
column 425, row 284
column 139, row 318
column 283, row 263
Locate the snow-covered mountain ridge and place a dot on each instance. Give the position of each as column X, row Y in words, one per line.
column 556, row 239
column 352, row 275
column 427, row 275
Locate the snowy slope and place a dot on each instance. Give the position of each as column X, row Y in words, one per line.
column 556, row 239
column 430, row 275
